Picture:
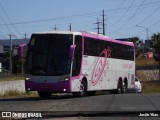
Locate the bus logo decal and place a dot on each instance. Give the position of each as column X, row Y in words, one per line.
column 100, row 66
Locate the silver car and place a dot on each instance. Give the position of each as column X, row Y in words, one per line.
column 138, row 86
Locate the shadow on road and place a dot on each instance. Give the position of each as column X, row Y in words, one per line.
column 53, row 97
column 37, row 98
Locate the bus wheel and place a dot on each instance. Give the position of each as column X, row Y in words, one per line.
column 124, row 88
column 83, row 90
column 119, row 88
column 44, row 94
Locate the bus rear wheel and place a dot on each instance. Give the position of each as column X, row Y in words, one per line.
column 124, row 88
column 44, row 94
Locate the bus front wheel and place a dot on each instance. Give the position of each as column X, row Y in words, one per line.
column 119, row 88
column 44, row 94
column 83, row 90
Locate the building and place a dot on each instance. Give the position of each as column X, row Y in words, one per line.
column 5, row 45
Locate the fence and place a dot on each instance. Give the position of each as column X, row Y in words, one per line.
column 148, row 75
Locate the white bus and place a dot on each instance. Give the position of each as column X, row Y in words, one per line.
column 78, row 62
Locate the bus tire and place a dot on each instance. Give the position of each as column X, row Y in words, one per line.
column 124, row 87
column 44, row 94
column 83, row 90
column 119, row 88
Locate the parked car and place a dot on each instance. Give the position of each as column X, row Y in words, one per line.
column 138, row 86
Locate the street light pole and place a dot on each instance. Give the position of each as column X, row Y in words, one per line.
column 145, row 29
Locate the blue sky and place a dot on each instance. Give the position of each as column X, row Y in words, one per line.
column 122, row 16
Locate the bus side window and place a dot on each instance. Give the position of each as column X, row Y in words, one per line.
column 77, row 56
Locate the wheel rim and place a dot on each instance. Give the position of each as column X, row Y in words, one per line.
column 119, row 90
column 124, row 88
column 81, row 89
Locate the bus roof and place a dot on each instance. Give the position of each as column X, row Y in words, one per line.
column 102, row 37
column 87, row 34
column 59, row 32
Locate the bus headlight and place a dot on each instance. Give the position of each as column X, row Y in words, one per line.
column 64, row 78
column 27, row 78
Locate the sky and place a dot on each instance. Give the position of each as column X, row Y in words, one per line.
column 122, row 17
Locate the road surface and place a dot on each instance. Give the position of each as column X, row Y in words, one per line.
column 100, row 105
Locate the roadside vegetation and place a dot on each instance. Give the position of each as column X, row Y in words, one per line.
column 16, row 93
column 150, row 87
column 11, row 78
column 141, row 61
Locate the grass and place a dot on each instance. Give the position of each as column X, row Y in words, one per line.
column 16, row 93
column 11, row 78
column 150, row 87
column 145, row 62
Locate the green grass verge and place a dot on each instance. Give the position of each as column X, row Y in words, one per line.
column 151, row 87
column 145, row 62
column 16, row 93
column 11, row 78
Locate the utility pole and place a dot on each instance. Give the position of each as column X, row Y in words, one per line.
column 25, row 35
column 103, row 22
column 10, row 55
column 98, row 27
column 70, row 27
column 55, row 28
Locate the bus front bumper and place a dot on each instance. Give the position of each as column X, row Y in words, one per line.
column 62, row 86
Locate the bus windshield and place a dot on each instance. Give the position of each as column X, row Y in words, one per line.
column 48, row 54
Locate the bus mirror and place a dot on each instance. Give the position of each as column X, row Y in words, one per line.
column 72, row 49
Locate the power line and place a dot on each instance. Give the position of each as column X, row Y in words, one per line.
column 5, row 24
column 145, row 5
column 118, row 9
column 124, row 14
column 2, row 35
column 135, row 13
column 98, row 25
column 146, row 18
column 10, row 20
column 74, row 16
column 55, row 19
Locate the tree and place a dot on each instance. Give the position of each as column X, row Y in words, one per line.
column 135, row 40
column 155, row 38
column 137, row 43
column 156, row 45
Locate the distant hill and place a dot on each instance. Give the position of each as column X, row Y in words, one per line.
column 15, row 42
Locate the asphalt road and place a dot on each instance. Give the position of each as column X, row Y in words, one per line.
column 98, row 105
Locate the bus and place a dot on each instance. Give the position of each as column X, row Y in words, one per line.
column 80, row 63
